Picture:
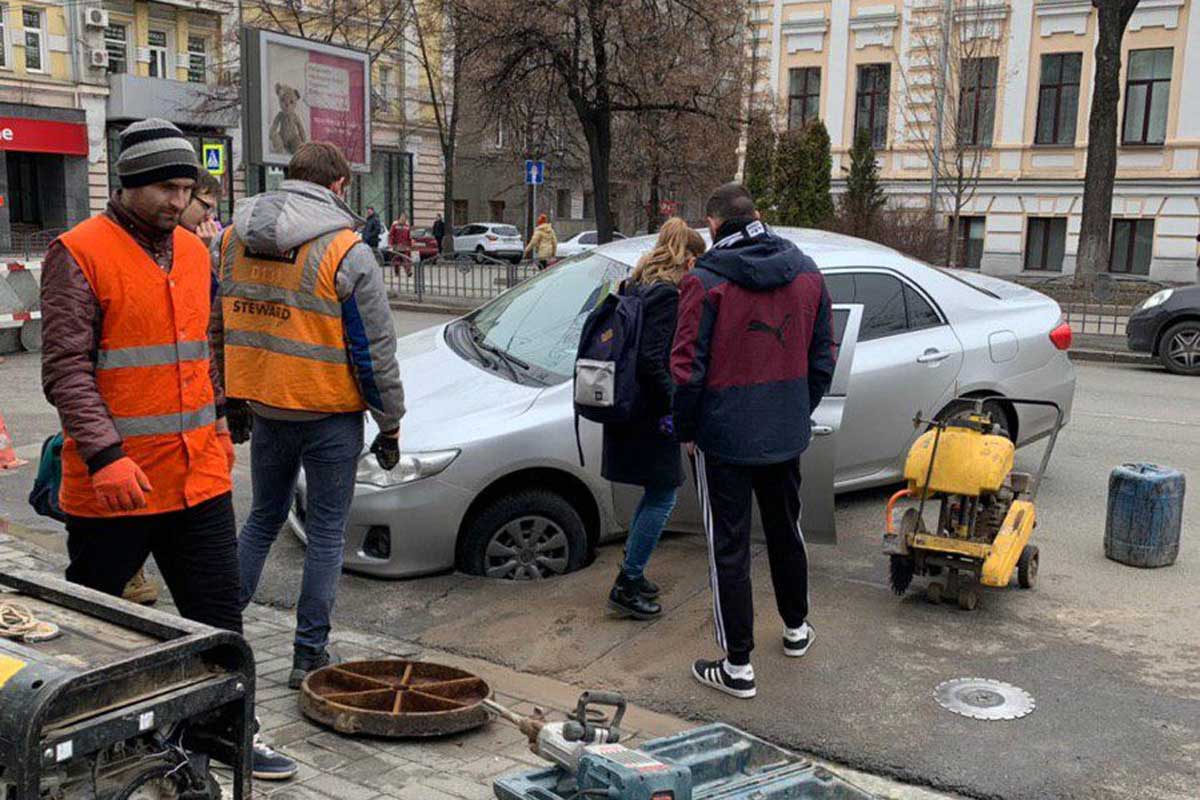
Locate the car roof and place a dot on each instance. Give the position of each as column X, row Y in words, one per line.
column 828, row 249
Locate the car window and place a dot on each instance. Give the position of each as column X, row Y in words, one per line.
column 920, row 313
column 882, row 297
column 540, row 321
column 588, row 238
column 473, row 230
column 505, row 230
column 618, row 236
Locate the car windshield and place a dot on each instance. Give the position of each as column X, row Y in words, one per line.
column 540, row 321
column 506, row 230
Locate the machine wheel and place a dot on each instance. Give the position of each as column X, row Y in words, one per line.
column 1027, row 567
column 933, row 593
column 1179, row 348
column 968, row 599
column 961, row 409
column 527, row 535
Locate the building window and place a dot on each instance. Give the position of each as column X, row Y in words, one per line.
column 804, row 96
column 496, row 210
column 158, row 54
column 197, row 59
column 1058, row 98
column 35, row 40
column 871, row 109
column 977, row 101
column 385, row 88
column 1046, row 243
column 4, row 61
column 589, row 205
column 562, row 204
column 116, row 42
column 971, row 232
column 1132, row 246
column 1147, row 96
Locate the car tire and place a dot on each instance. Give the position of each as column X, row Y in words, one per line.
column 961, row 408
column 527, row 535
column 1179, row 348
column 479, row 254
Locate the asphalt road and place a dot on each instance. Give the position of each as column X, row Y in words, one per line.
column 1111, row 653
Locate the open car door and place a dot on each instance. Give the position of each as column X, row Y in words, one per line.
column 817, row 465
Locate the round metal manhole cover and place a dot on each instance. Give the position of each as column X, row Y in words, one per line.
column 982, row 698
column 395, row 698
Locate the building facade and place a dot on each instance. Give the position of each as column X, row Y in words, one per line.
column 1018, row 89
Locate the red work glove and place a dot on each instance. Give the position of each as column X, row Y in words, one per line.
column 121, row 485
column 226, row 441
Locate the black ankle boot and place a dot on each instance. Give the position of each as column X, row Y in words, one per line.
column 628, row 601
column 647, row 588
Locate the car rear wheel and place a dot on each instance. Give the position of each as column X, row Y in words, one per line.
column 479, row 254
column 1180, row 348
column 529, row 535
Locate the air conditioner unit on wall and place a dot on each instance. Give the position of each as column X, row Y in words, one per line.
column 99, row 58
column 95, row 17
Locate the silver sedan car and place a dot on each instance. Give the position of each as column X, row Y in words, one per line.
column 491, row 482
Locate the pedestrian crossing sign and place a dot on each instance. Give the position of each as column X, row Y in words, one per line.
column 214, row 158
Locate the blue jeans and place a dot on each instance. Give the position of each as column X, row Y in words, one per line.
column 647, row 525
column 328, row 449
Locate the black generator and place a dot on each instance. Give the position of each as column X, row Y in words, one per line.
column 127, row 703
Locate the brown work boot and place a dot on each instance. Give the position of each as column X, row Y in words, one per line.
column 141, row 590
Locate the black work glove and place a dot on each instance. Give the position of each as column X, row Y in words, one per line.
column 240, row 419
column 386, row 449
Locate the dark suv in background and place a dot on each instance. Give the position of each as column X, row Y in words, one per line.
column 1167, row 325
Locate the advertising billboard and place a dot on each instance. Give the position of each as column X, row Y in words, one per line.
column 298, row 91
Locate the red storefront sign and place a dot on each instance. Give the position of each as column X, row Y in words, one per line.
column 43, row 136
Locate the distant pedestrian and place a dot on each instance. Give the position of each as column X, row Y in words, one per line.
column 543, row 245
column 372, row 230
column 201, row 216
column 400, row 241
column 438, row 230
column 644, row 451
column 305, row 334
column 753, row 357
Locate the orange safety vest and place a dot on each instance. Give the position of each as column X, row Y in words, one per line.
column 284, row 342
column 151, row 369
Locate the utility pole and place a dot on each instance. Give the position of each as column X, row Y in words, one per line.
column 940, row 102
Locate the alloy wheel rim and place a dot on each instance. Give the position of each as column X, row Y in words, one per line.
column 1184, row 348
column 527, row 548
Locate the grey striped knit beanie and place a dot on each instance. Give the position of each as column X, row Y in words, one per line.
column 153, row 151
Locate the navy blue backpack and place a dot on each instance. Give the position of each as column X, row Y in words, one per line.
column 606, row 385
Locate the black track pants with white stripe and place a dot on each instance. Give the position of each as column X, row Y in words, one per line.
column 726, row 491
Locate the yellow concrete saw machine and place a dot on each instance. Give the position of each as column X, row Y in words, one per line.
column 986, row 513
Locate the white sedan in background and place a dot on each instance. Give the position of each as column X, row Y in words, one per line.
column 582, row 242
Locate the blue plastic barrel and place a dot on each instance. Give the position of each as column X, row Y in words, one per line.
column 1145, row 515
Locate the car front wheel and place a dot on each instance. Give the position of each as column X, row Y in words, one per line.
column 1179, row 350
column 528, row 535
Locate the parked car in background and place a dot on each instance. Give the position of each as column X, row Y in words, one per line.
column 1167, row 326
column 490, row 480
column 582, row 242
column 424, row 242
column 494, row 239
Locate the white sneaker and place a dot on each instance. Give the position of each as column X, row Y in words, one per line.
column 796, row 641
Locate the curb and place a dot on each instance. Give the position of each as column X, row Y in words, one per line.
column 1111, row 357
column 429, row 308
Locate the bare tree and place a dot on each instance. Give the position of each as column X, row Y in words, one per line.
column 618, row 57
column 1093, row 253
column 949, row 103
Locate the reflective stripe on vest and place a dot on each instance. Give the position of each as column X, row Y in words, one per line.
column 151, row 355
column 286, row 347
column 165, row 423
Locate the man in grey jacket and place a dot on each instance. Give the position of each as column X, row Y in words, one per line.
column 303, row 333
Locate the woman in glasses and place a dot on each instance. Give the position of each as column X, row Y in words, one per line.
column 201, row 215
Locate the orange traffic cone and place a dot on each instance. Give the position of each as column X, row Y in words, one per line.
column 8, row 456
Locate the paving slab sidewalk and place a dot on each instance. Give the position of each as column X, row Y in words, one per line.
column 462, row 767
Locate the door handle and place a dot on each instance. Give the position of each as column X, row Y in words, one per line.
column 932, row 356
column 822, row 430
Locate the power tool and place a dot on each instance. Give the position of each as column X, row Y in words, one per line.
column 707, row 763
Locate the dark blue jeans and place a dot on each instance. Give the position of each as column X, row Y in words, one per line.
column 647, row 525
column 328, row 449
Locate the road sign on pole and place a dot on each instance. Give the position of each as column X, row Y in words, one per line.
column 214, row 158
column 535, row 172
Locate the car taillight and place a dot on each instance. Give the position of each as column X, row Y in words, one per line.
column 491, row 238
column 1061, row 336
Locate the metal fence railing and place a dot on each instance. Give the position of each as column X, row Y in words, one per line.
column 459, row 279
column 1100, row 307
column 30, row 245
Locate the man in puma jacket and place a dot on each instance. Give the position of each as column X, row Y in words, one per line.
column 752, row 358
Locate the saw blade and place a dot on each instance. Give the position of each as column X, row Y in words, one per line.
column 983, row 698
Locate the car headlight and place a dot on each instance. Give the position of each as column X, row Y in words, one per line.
column 411, row 467
column 1157, row 299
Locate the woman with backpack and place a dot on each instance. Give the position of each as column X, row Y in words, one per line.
column 643, row 451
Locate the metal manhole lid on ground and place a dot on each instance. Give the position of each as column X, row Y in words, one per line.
column 984, row 698
column 395, row 698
